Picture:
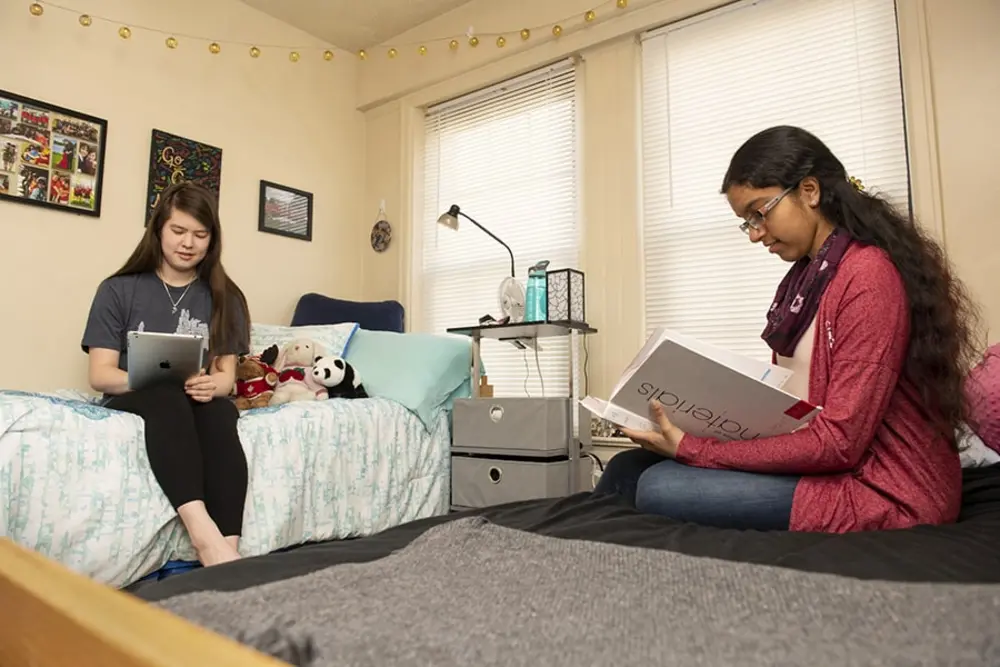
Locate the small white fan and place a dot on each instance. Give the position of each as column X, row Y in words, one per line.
column 511, row 299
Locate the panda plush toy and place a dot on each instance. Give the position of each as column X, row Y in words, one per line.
column 339, row 378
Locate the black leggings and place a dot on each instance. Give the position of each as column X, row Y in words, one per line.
column 194, row 450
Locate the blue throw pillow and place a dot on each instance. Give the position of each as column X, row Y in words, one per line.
column 423, row 372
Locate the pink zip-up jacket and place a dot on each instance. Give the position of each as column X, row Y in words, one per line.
column 870, row 460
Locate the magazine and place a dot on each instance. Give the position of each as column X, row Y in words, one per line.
column 705, row 391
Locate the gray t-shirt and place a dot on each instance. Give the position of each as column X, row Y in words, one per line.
column 141, row 303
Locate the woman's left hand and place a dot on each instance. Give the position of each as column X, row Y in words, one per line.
column 201, row 387
column 665, row 441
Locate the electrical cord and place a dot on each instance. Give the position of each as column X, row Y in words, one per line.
column 527, row 371
column 596, row 458
column 538, row 365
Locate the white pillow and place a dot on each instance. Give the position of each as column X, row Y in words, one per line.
column 973, row 452
column 332, row 338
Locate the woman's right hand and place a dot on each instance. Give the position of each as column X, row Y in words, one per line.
column 200, row 387
column 664, row 442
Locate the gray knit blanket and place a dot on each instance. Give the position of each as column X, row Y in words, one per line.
column 472, row 593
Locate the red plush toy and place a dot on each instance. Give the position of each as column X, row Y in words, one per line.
column 256, row 379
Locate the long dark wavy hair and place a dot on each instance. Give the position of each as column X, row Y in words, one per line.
column 229, row 329
column 944, row 322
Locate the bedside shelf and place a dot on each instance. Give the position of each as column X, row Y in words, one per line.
column 523, row 330
column 511, row 449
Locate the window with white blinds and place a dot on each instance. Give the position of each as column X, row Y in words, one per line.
column 508, row 157
column 709, row 84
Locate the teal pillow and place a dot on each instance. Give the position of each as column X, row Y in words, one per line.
column 423, row 372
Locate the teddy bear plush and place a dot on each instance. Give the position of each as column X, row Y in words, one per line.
column 339, row 377
column 295, row 378
column 256, row 379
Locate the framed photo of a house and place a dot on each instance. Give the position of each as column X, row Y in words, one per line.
column 285, row 211
column 51, row 156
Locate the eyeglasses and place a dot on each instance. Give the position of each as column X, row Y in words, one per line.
column 756, row 219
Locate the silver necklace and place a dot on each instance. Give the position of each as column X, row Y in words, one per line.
column 173, row 303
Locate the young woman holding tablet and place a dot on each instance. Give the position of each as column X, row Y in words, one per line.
column 878, row 331
column 174, row 283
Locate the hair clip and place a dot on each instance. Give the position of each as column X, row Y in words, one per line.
column 856, row 182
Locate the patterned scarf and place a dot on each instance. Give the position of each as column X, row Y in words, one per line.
column 797, row 299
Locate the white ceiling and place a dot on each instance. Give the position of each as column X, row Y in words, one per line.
column 354, row 24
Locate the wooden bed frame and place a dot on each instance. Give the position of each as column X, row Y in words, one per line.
column 54, row 617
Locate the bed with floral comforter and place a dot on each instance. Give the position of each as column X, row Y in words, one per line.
column 76, row 486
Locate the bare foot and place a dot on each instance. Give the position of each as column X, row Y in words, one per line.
column 208, row 542
column 220, row 552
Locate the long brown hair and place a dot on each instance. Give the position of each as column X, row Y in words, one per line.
column 229, row 329
column 945, row 334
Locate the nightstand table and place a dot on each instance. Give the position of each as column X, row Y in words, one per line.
column 510, row 449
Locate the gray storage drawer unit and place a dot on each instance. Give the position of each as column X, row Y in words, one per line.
column 480, row 482
column 507, row 449
column 531, row 427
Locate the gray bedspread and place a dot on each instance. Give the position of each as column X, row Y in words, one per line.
column 472, row 593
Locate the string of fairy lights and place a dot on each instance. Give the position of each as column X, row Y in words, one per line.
column 453, row 43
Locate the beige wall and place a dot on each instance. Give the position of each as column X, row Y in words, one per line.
column 964, row 47
column 293, row 124
column 950, row 57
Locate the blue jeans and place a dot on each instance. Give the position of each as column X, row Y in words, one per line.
column 720, row 498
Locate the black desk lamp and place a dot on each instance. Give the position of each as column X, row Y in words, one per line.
column 450, row 220
column 511, row 295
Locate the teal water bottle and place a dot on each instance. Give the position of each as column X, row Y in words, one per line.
column 536, row 298
column 529, row 299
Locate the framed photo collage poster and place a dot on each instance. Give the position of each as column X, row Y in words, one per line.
column 50, row 156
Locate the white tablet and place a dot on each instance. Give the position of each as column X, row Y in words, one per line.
column 160, row 357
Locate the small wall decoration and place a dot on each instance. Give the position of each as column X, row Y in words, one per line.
column 285, row 211
column 174, row 159
column 381, row 235
column 51, row 156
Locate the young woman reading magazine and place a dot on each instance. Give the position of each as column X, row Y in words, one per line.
column 878, row 332
column 174, row 283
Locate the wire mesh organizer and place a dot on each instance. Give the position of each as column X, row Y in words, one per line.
column 566, row 299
